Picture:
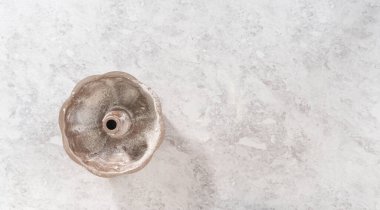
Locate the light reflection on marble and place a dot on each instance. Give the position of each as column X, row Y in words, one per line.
column 268, row 104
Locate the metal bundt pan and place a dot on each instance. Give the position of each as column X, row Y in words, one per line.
column 111, row 124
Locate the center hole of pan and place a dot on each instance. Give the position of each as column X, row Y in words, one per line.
column 111, row 124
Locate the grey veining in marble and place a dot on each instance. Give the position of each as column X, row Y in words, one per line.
column 268, row 104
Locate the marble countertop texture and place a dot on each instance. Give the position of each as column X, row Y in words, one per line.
column 268, row 104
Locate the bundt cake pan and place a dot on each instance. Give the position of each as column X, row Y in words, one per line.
column 111, row 124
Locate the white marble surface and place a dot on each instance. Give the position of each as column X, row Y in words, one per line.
column 268, row 104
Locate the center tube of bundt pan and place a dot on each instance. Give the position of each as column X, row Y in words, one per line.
column 116, row 123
